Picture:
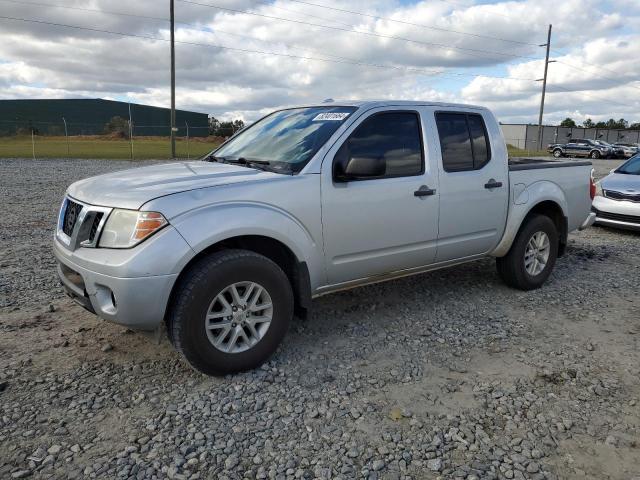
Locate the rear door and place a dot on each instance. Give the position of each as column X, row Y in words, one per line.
column 379, row 225
column 473, row 180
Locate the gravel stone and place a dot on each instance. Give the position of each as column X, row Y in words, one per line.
column 435, row 464
column 449, row 374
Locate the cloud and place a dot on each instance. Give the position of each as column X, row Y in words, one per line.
column 238, row 64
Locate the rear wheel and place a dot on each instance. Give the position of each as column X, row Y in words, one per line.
column 231, row 311
column 557, row 153
column 532, row 256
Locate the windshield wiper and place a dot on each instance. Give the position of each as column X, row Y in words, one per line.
column 266, row 165
column 213, row 158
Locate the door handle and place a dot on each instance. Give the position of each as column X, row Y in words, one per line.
column 492, row 184
column 424, row 191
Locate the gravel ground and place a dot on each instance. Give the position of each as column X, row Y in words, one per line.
column 444, row 375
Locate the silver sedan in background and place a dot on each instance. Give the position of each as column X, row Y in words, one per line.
column 617, row 201
column 627, row 150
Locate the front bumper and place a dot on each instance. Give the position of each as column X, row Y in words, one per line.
column 616, row 213
column 130, row 287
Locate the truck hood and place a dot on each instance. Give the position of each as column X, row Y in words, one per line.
column 621, row 182
column 134, row 187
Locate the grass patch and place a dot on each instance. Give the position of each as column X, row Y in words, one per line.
column 104, row 147
column 519, row 152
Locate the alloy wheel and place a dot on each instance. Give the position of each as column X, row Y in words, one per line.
column 536, row 254
column 239, row 317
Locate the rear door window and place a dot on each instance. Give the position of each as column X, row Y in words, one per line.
column 463, row 141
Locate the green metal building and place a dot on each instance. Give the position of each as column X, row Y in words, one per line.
column 90, row 116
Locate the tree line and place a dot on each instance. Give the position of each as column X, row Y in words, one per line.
column 612, row 124
column 224, row 129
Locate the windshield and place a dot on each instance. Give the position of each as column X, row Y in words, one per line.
column 287, row 138
column 631, row 166
column 600, row 142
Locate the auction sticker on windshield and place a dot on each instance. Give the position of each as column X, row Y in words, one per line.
column 330, row 116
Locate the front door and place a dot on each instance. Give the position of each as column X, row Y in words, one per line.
column 474, row 186
column 373, row 226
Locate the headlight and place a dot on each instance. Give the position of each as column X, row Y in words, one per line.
column 126, row 228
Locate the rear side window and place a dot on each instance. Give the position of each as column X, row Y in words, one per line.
column 463, row 141
column 393, row 136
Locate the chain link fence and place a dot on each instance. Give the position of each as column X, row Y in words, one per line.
column 117, row 139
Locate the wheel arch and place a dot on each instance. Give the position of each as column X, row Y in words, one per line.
column 553, row 210
column 549, row 200
column 294, row 268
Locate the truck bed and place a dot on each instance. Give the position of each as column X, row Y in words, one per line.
column 519, row 163
column 568, row 187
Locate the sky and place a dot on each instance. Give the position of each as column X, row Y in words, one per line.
column 245, row 58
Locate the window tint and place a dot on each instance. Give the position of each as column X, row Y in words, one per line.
column 478, row 140
column 463, row 141
column 393, row 136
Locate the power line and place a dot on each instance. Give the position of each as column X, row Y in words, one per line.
column 461, row 5
column 597, row 75
column 84, row 9
column 192, row 26
column 360, row 32
column 430, row 27
column 581, row 92
column 262, row 52
column 271, row 5
column 584, row 61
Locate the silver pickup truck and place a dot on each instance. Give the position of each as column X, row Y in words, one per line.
column 304, row 202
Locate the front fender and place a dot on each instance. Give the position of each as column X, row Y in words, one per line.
column 521, row 203
column 211, row 224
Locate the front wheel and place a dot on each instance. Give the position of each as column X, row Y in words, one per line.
column 557, row 153
column 230, row 312
column 595, row 154
column 532, row 256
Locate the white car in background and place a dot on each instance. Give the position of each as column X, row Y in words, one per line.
column 627, row 150
column 617, row 201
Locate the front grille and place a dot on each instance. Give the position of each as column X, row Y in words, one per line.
column 617, row 217
column 94, row 226
column 71, row 214
column 632, row 197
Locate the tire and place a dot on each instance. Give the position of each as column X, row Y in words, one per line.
column 511, row 267
column 595, row 154
column 198, row 296
column 557, row 153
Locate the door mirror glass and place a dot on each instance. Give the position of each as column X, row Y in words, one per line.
column 347, row 167
column 364, row 167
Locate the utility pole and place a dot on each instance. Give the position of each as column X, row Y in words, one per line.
column 130, row 132
column 66, row 134
column 544, row 86
column 173, row 83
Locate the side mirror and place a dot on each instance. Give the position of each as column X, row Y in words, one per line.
column 362, row 167
column 358, row 168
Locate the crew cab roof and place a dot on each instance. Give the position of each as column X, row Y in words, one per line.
column 367, row 104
